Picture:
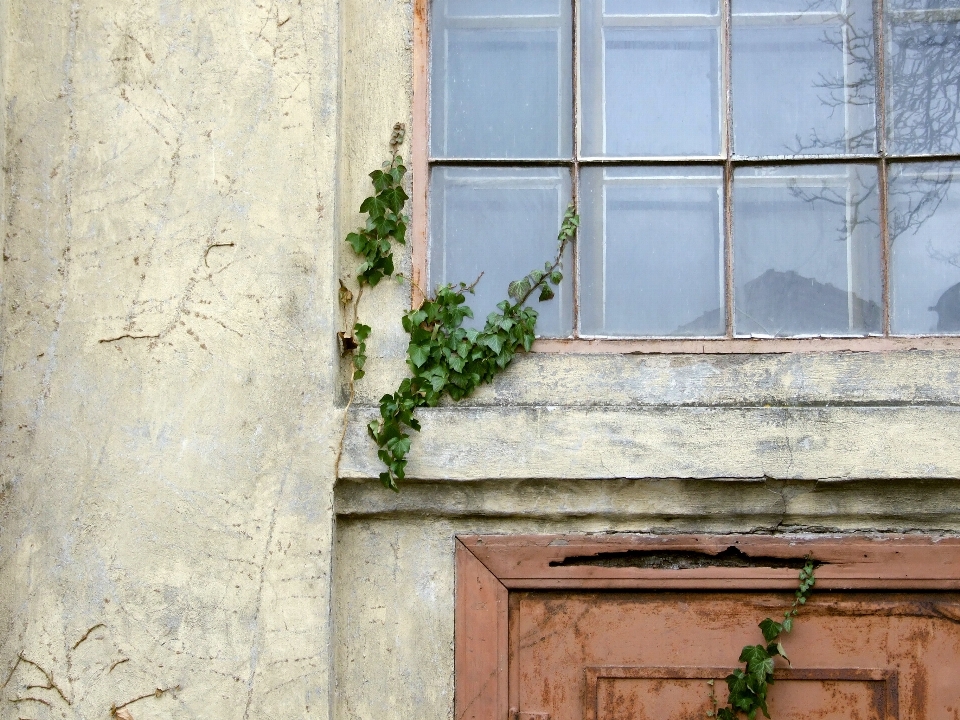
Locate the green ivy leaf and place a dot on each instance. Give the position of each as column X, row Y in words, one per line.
column 381, row 181
column 399, row 446
column 753, row 655
column 357, row 242
column 494, row 343
column 770, row 629
column 419, row 354
column 373, row 206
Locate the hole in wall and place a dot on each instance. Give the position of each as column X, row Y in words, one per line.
column 732, row 557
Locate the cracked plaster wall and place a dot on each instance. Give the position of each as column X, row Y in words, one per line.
column 170, row 369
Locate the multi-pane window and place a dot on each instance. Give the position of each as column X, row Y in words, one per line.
column 742, row 168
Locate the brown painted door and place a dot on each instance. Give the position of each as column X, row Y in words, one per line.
column 641, row 655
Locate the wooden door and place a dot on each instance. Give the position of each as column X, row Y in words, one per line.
column 627, row 627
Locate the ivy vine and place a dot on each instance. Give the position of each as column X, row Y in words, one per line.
column 749, row 686
column 386, row 224
column 445, row 359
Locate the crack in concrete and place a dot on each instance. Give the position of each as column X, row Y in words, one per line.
column 86, row 635
column 255, row 649
column 128, row 336
column 68, row 94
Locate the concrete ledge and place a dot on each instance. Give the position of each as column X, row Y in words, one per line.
column 792, row 443
column 612, row 380
column 672, row 504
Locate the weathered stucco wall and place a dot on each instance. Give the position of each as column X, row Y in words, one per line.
column 170, row 367
column 4, row 48
column 178, row 175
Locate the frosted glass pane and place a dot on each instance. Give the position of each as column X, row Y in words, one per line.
column 660, row 92
column 660, row 7
column 923, row 4
column 503, row 223
column 649, row 87
column 786, row 6
column 501, row 85
column 804, row 84
column 651, row 259
column 807, row 251
column 924, row 202
column 923, row 72
column 498, row 8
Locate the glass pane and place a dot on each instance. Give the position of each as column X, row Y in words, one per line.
column 787, row 6
column 501, row 84
column 650, row 83
column 923, row 4
column 923, row 67
column 803, row 82
column 499, row 8
column 651, row 253
column 924, row 203
column 501, row 222
column 807, row 251
column 660, row 7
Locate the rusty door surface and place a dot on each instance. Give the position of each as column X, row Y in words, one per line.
column 648, row 656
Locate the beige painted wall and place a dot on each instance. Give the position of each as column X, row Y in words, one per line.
column 179, row 175
column 170, row 365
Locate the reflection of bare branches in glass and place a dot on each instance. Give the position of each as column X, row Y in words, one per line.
column 922, row 89
column 924, row 77
column 856, row 87
column 914, row 198
column 922, row 97
column 852, row 189
column 859, row 199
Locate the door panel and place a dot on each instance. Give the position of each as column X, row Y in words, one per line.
column 624, row 626
column 648, row 655
column 636, row 693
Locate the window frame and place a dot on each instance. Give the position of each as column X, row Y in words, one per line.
column 422, row 163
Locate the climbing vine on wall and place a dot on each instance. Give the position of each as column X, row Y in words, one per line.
column 445, row 359
column 750, row 685
column 386, row 224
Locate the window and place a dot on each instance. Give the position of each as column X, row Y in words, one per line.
column 742, row 168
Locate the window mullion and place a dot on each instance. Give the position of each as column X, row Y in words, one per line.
column 881, row 103
column 574, row 273
column 726, row 12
